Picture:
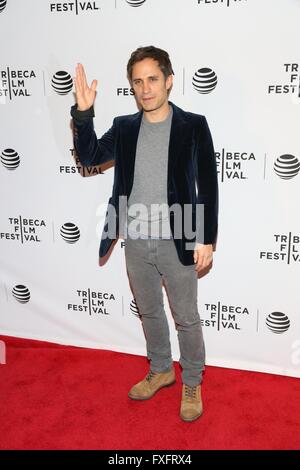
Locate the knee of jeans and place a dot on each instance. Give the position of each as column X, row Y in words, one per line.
column 151, row 311
column 186, row 323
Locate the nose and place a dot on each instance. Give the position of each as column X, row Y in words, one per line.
column 146, row 87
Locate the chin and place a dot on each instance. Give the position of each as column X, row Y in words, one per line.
column 150, row 107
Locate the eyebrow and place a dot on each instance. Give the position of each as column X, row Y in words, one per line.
column 150, row 76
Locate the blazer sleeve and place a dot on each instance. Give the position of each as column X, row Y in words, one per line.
column 90, row 150
column 207, row 185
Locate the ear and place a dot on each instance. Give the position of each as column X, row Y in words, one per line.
column 169, row 82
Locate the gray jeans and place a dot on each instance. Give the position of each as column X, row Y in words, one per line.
column 152, row 263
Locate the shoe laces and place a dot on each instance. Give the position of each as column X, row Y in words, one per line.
column 150, row 376
column 190, row 391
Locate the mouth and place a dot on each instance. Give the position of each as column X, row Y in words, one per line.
column 147, row 99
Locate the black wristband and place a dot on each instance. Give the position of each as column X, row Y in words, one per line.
column 76, row 114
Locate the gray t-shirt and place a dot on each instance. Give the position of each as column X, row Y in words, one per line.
column 150, row 216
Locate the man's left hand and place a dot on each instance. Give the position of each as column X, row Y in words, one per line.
column 203, row 255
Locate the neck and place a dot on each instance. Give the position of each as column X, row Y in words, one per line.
column 159, row 114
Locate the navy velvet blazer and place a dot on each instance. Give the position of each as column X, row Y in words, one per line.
column 191, row 164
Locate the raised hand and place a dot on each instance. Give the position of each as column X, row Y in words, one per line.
column 85, row 95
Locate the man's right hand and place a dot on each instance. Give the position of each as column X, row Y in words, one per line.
column 85, row 95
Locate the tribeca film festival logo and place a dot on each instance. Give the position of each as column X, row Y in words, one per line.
column 287, row 249
column 233, row 165
column 92, row 302
column 291, row 84
column 78, row 168
column 76, row 7
column 24, row 229
column 227, row 3
column 229, row 317
column 286, row 166
column 224, row 317
column 15, row 83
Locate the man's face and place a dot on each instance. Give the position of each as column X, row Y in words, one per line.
column 149, row 84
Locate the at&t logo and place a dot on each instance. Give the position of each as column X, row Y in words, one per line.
column 2, row 5
column 70, row 233
column 205, row 80
column 21, row 293
column 134, row 308
column 287, row 166
column 10, row 159
column 277, row 322
column 62, row 82
column 135, row 3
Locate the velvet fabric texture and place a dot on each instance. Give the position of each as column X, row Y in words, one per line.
column 191, row 164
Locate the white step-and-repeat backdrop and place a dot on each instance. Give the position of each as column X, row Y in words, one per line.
column 52, row 211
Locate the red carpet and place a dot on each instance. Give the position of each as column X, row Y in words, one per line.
column 56, row 397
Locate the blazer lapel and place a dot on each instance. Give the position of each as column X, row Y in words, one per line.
column 176, row 138
column 131, row 133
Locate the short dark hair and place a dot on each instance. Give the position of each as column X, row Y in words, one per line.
column 152, row 52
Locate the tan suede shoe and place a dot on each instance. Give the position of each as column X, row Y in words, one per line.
column 151, row 384
column 191, row 406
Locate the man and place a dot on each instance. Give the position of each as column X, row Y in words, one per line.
column 164, row 157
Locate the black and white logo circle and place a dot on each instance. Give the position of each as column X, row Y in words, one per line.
column 21, row 293
column 2, row 5
column 205, row 80
column 134, row 308
column 70, row 233
column 62, row 82
column 287, row 166
column 278, row 322
column 135, row 3
column 10, row 159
